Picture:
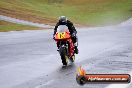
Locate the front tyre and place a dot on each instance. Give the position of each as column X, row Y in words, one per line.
column 63, row 54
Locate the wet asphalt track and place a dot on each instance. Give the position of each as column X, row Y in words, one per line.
column 28, row 59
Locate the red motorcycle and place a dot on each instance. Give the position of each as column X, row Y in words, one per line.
column 65, row 44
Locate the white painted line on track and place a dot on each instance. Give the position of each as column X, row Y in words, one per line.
column 24, row 22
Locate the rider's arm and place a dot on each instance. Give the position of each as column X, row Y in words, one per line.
column 74, row 29
column 56, row 26
column 71, row 26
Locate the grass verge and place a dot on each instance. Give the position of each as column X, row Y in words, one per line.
column 88, row 12
column 7, row 26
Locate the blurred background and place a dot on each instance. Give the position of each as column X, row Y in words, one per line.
column 82, row 12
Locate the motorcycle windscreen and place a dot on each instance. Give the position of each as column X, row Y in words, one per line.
column 62, row 32
column 62, row 28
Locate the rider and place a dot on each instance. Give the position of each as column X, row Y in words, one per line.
column 63, row 21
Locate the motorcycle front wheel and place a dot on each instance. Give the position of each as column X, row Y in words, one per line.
column 63, row 54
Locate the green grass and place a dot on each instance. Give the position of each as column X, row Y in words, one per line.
column 7, row 26
column 89, row 12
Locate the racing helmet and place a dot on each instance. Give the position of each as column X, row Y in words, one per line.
column 63, row 19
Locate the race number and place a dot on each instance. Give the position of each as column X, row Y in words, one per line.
column 61, row 35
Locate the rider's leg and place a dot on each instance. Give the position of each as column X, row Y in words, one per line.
column 57, row 46
column 75, row 41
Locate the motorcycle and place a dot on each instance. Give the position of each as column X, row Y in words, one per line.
column 64, row 44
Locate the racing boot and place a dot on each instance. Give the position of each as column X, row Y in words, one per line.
column 76, row 49
column 57, row 47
